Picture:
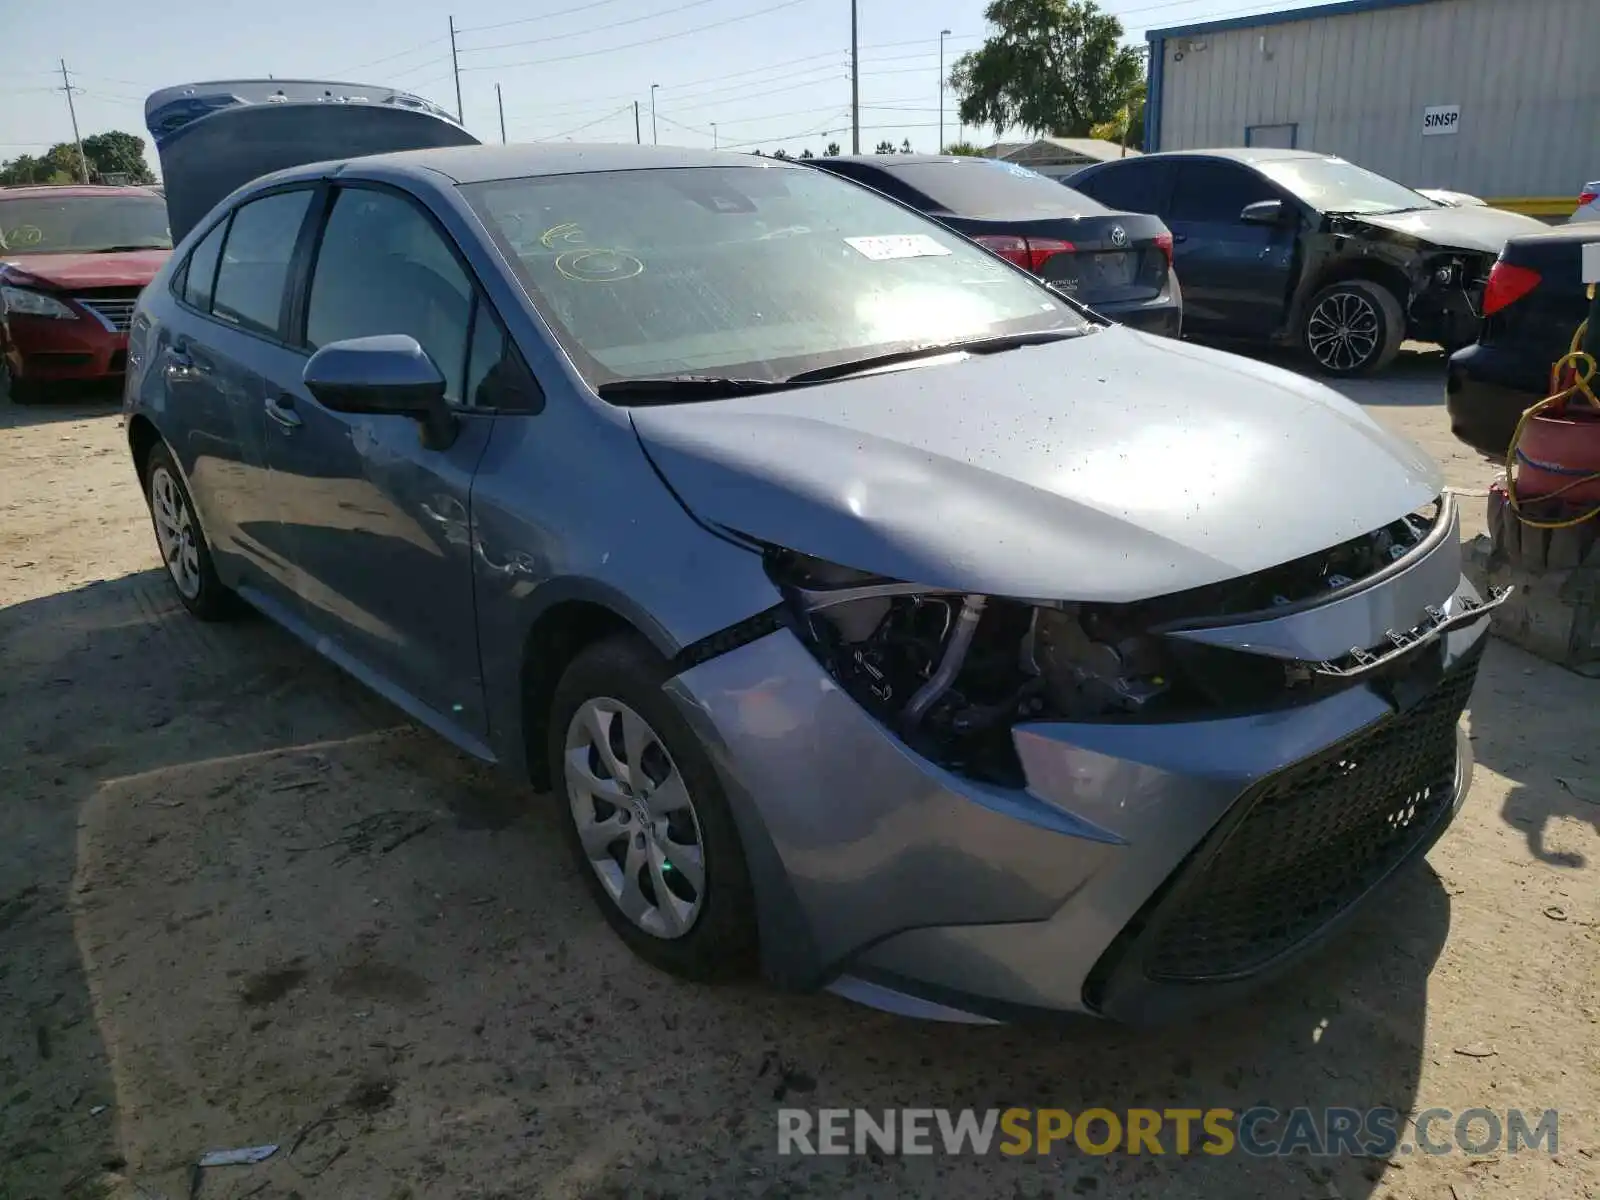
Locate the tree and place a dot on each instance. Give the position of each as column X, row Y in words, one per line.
column 966, row 149
column 117, row 153
column 884, row 148
column 780, row 154
column 807, row 154
column 113, row 153
column 905, row 147
column 1127, row 127
column 1052, row 67
column 832, row 151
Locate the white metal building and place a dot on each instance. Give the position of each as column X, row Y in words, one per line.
column 1499, row 98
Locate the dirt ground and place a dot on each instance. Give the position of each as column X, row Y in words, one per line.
column 243, row 902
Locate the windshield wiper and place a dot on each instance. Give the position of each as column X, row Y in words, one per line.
column 985, row 345
column 124, row 249
column 672, row 388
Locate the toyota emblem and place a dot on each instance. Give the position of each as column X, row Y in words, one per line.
column 1119, row 236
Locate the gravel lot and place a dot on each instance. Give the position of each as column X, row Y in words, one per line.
column 243, row 902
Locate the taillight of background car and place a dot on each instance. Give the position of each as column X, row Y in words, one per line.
column 1588, row 196
column 1507, row 284
column 1028, row 253
column 1164, row 242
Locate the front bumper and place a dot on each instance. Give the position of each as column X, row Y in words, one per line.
column 1111, row 884
column 45, row 350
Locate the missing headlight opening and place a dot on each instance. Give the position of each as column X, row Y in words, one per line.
column 952, row 673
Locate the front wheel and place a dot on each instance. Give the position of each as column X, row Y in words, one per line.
column 1353, row 327
column 18, row 391
column 646, row 817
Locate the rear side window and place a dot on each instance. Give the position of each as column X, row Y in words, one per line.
column 201, row 272
column 255, row 261
column 384, row 268
column 880, row 180
column 983, row 187
column 1216, row 192
column 1129, row 186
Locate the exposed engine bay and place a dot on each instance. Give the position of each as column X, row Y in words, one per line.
column 951, row 674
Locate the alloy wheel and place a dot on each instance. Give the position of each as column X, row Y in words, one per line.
column 1344, row 331
column 176, row 532
column 635, row 818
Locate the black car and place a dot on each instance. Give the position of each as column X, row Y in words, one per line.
column 1119, row 264
column 1533, row 305
column 1291, row 247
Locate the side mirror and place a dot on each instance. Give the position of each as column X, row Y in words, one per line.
column 390, row 374
column 1264, row 212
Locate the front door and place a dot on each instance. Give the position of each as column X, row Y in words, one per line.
column 1236, row 276
column 379, row 525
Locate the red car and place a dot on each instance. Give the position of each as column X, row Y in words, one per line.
column 73, row 261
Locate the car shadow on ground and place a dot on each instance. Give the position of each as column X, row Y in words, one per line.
column 257, row 907
column 1518, row 712
column 62, row 403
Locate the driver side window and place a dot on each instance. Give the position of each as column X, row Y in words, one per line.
column 383, row 267
column 1217, row 192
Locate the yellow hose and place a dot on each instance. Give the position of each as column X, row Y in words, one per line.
column 1583, row 365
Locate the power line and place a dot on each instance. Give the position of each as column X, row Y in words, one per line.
column 539, row 62
column 587, row 125
column 541, row 17
column 843, row 116
column 391, row 57
column 561, row 37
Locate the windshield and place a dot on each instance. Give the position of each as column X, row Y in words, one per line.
column 759, row 272
column 979, row 187
column 83, row 224
column 1333, row 185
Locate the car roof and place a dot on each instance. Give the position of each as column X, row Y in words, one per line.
column 483, row 164
column 1245, row 154
column 898, row 160
column 57, row 190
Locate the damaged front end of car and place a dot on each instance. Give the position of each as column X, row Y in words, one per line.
column 952, row 674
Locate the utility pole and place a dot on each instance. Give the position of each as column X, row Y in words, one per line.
column 455, row 69
column 500, row 103
column 638, row 138
column 713, row 135
column 855, row 85
column 943, row 33
column 654, row 140
column 66, row 86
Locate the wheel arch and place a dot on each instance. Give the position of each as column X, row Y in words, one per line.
column 1373, row 270
column 558, row 634
column 143, row 437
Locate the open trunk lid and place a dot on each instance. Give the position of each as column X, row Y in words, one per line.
column 215, row 137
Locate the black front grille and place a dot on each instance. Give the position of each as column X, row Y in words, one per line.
column 1306, row 843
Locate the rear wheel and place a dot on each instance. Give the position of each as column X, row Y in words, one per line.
column 184, row 549
column 646, row 818
column 1353, row 327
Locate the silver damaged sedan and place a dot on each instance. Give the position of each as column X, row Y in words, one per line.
column 879, row 619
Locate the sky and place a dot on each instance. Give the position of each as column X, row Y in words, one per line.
column 743, row 74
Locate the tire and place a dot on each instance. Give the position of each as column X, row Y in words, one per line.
column 18, row 391
column 188, row 559
column 1353, row 327
column 606, row 689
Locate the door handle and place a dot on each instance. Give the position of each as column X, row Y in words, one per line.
column 178, row 356
column 281, row 410
column 1179, row 238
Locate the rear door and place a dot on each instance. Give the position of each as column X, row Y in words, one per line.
column 1236, row 276
column 379, row 525
column 224, row 346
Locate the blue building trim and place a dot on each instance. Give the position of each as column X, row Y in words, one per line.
column 1158, row 39
column 1152, row 95
column 1283, row 17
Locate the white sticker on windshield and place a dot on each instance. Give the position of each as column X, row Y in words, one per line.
column 898, row 245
